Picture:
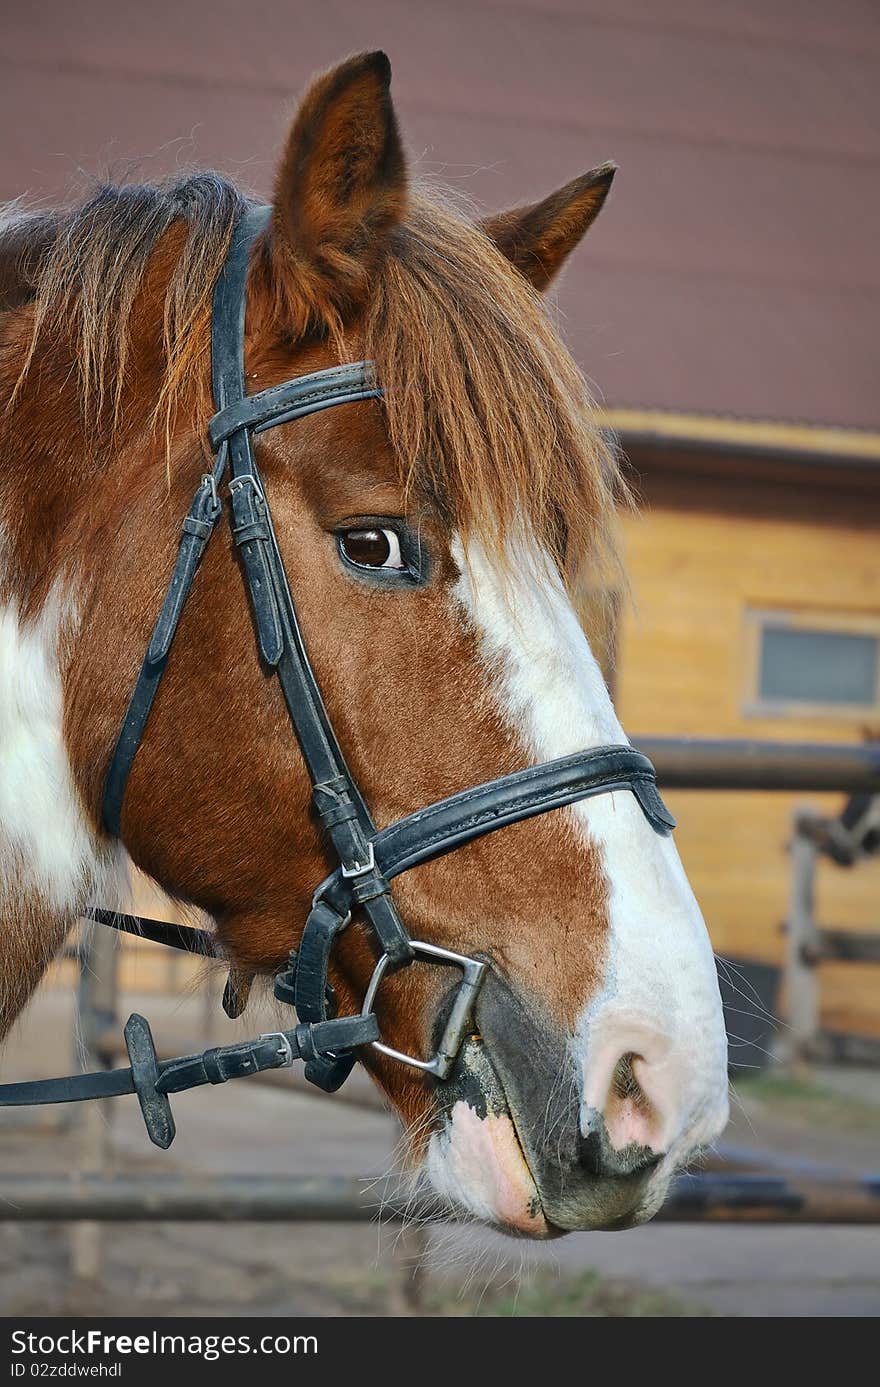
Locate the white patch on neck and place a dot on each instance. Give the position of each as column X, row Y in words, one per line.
column 660, row 988
column 47, row 848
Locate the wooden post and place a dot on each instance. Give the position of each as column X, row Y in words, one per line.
column 802, row 978
column 96, row 1024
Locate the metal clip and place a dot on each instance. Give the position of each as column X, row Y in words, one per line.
column 237, row 483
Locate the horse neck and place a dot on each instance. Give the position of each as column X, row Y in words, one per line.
column 52, row 497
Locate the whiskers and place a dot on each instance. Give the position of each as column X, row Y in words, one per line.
column 729, row 971
column 558, row 1110
column 403, row 1195
column 424, row 1232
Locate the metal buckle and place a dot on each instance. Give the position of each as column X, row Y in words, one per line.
column 236, row 484
column 215, row 506
column 285, row 1048
column 361, row 868
column 440, row 1065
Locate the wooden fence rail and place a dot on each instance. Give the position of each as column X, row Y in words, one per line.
column 694, row 763
column 715, row 1198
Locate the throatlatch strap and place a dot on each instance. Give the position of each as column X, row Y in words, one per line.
column 198, row 526
column 185, row 937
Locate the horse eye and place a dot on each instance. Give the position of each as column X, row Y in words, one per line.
column 372, row 548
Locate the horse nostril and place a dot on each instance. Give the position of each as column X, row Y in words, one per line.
column 631, row 1107
column 599, row 1159
column 590, row 1153
column 618, row 1134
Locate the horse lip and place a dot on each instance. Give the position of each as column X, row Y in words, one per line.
column 553, row 1231
column 509, row 1105
column 476, row 1081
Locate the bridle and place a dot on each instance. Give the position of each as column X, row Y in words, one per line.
column 367, row 859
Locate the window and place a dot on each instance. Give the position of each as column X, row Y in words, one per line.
column 813, row 663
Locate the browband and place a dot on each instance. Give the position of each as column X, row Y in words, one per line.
column 293, row 399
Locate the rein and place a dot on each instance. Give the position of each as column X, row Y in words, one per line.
column 367, row 859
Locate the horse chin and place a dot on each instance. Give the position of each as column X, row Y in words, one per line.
column 475, row 1162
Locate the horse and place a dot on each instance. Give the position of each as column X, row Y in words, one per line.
column 442, row 543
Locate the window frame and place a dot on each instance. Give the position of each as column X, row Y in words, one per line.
column 839, row 623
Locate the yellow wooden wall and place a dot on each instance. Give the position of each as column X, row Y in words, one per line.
column 700, row 553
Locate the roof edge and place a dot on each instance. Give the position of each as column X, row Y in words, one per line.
column 821, row 443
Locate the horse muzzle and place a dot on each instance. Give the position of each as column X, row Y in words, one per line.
column 518, row 1148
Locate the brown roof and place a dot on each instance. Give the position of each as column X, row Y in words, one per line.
column 735, row 269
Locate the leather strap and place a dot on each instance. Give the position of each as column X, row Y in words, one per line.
column 452, row 822
column 368, row 859
column 252, row 528
column 304, row 986
column 448, row 824
column 153, row 1079
column 338, row 801
column 185, row 937
column 431, row 832
column 228, row 309
column 198, row 526
column 294, row 399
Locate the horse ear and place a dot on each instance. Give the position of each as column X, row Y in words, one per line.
column 340, row 188
column 537, row 239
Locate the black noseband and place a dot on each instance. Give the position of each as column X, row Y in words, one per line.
column 367, row 859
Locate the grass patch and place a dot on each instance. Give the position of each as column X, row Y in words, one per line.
column 549, row 1296
column 810, row 1101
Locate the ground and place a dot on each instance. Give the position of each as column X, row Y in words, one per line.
column 332, row 1270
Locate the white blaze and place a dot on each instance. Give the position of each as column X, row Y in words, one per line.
column 659, row 997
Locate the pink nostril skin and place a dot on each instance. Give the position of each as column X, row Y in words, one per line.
column 633, row 1085
column 648, row 1095
column 631, row 1118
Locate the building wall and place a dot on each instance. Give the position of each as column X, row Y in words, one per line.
column 702, row 552
column 747, row 138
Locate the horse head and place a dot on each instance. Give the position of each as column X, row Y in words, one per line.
column 438, row 543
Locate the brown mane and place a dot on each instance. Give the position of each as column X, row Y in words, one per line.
column 486, row 410
column 87, row 283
